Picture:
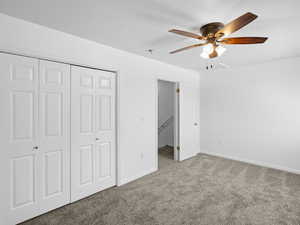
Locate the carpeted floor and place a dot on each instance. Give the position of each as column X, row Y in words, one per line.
column 203, row 190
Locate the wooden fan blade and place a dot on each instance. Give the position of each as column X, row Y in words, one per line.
column 243, row 40
column 188, row 47
column 187, row 34
column 236, row 24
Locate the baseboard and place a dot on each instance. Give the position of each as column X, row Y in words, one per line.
column 137, row 176
column 253, row 162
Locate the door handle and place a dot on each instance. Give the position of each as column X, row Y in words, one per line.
column 35, row 147
column 97, row 139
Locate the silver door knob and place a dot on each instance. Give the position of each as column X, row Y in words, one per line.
column 35, row 147
column 195, row 124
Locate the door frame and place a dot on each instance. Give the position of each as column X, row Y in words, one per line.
column 176, row 156
column 117, row 125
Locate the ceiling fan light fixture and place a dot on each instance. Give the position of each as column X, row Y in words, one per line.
column 207, row 50
column 220, row 50
column 204, row 55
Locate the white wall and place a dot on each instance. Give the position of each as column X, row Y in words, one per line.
column 166, row 100
column 253, row 113
column 137, row 89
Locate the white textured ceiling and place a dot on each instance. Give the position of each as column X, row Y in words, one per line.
column 137, row 25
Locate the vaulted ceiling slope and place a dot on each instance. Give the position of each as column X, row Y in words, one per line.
column 138, row 25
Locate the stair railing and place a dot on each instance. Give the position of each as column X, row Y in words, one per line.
column 166, row 124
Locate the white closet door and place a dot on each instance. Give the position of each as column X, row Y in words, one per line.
column 93, row 150
column 19, row 137
column 54, row 134
column 34, row 132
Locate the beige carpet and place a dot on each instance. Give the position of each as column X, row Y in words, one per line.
column 204, row 190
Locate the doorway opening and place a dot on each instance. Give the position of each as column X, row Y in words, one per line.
column 168, row 125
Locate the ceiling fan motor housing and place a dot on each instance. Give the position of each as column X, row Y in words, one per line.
column 209, row 30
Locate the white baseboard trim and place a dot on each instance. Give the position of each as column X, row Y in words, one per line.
column 137, row 176
column 253, row 162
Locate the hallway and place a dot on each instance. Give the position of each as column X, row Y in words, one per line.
column 165, row 156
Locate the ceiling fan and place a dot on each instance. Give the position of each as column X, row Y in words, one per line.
column 214, row 35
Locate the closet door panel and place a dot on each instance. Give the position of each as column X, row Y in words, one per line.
column 86, row 165
column 103, row 157
column 105, row 160
column 54, row 116
column 92, row 132
column 82, row 132
column 18, row 137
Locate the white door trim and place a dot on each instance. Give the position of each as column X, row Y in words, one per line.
column 176, row 120
column 72, row 63
column 117, row 127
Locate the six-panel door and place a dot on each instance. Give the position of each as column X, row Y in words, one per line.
column 19, row 131
column 34, row 127
column 93, row 150
column 54, row 134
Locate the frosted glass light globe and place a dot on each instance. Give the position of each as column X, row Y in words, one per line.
column 209, row 48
